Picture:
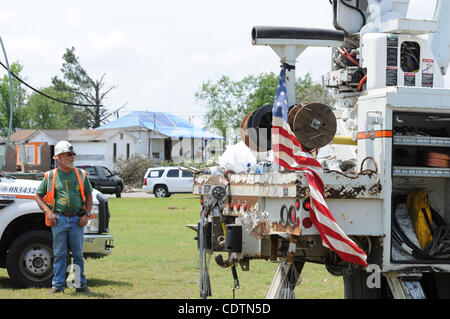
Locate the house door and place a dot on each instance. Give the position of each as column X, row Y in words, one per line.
column 168, row 149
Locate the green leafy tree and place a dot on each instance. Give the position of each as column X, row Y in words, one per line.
column 308, row 91
column 219, row 103
column 227, row 102
column 44, row 113
column 19, row 97
column 86, row 90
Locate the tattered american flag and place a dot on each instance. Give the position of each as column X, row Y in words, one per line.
column 289, row 153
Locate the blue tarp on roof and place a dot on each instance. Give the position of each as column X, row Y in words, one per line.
column 164, row 123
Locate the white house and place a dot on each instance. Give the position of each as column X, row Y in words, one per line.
column 164, row 136
column 35, row 148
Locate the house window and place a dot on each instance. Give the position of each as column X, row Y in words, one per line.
column 114, row 152
column 26, row 154
column 128, row 150
column 121, row 136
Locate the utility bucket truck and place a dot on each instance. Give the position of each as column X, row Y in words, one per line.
column 386, row 180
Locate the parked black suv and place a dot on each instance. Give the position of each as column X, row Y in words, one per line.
column 103, row 180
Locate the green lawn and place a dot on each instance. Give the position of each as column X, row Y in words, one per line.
column 155, row 256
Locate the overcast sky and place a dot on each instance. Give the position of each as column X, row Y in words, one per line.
column 157, row 53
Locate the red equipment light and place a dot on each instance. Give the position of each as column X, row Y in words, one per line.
column 238, row 205
column 297, row 204
column 231, row 205
column 307, row 222
column 244, row 206
column 292, row 216
column 307, row 205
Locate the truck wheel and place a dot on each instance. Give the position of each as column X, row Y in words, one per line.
column 118, row 191
column 161, row 191
column 30, row 260
column 355, row 287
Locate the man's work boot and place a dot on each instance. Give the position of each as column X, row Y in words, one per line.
column 83, row 290
column 56, row 290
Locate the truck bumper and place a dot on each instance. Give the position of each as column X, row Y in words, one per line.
column 148, row 189
column 97, row 246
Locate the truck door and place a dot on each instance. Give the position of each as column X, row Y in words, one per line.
column 106, row 179
column 93, row 177
column 174, row 180
column 187, row 182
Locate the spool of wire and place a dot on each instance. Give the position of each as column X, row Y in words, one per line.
column 435, row 159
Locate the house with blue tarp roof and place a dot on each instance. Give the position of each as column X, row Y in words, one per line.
column 164, row 136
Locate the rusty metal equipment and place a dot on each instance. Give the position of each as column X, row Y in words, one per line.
column 314, row 124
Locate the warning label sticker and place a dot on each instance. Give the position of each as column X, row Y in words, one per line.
column 427, row 72
column 410, row 79
column 391, row 75
column 391, row 59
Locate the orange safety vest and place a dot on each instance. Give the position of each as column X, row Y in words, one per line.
column 49, row 198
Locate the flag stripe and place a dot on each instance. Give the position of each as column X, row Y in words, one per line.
column 289, row 153
column 335, row 233
column 295, row 159
column 326, row 219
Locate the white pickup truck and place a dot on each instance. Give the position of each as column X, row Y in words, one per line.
column 26, row 242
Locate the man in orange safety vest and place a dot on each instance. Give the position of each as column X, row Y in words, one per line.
column 65, row 196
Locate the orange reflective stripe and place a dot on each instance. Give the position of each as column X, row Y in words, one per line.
column 81, row 183
column 49, row 197
column 55, row 172
column 374, row 134
column 24, row 196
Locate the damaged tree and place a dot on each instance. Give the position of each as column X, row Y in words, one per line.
column 87, row 90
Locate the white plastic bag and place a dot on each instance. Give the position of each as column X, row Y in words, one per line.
column 236, row 157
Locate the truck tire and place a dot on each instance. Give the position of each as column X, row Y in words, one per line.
column 161, row 191
column 355, row 287
column 30, row 260
column 118, row 191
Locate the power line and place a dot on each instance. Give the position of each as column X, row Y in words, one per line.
column 47, row 96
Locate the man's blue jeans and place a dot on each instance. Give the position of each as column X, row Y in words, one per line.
column 66, row 233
